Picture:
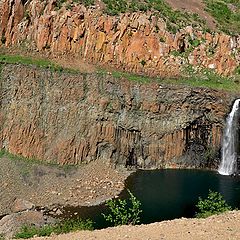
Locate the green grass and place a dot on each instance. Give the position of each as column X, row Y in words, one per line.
column 205, row 78
column 12, row 59
column 27, row 163
column 65, row 226
column 126, row 75
column 175, row 19
column 228, row 19
column 208, row 79
column 42, row 63
column 211, row 81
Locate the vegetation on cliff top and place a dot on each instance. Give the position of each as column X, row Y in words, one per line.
column 175, row 19
column 225, row 12
column 204, row 78
column 42, row 63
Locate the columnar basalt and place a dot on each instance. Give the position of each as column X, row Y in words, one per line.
column 137, row 42
column 72, row 118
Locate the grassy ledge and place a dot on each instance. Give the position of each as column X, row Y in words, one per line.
column 42, row 63
column 208, row 79
column 27, row 163
column 205, row 78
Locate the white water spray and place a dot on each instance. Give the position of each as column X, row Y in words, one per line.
column 228, row 164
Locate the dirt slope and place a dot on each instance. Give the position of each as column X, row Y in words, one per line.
column 194, row 6
column 221, row 227
column 49, row 186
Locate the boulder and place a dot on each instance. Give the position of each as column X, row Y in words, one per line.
column 20, row 205
column 11, row 224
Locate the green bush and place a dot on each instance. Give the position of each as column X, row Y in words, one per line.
column 66, row 226
column 2, row 237
column 213, row 204
column 124, row 212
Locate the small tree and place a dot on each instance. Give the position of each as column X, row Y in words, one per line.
column 213, row 204
column 124, row 212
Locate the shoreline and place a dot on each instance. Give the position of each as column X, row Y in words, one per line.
column 48, row 186
column 86, row 185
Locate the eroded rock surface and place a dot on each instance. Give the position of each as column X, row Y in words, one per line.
column 20, row 205
column 11, row 224
column 136, row 42
column 70, row 119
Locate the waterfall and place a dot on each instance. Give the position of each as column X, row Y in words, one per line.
column 228, row 164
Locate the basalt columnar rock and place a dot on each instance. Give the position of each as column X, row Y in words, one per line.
column 137, row 42
column 74, row 118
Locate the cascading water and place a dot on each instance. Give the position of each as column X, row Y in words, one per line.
column 228, row 164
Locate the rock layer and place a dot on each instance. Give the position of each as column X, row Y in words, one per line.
column 71, row 118
column 137, row 42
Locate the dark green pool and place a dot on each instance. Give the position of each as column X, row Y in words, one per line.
column 169, row 194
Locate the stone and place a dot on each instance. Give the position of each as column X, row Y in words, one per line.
column 59, row 212
column 10, row 224
column 20, row 205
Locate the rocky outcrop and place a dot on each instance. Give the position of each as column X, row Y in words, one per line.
column 137, row 42
column 20, row 205
column 11, row 224
column 70, row 119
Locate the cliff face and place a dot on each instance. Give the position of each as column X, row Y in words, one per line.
column 71, row 119
column 135, row 42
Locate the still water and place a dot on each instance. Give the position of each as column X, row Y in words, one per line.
column 169, row 194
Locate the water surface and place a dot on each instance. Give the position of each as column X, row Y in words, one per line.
column 169, row 194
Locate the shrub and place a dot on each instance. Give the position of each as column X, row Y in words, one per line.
column 66, row 226
column 124, row 212
column 213, row 204
column 2, row 237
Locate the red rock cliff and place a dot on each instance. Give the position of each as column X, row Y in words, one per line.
column 71, row 119
column 135, row 42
